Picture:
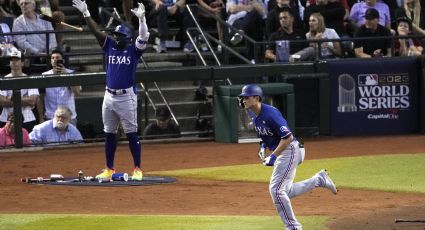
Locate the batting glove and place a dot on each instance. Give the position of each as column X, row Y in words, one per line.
column 139, row 12
column 82, row 7
column 262, row 152
column 269, row 161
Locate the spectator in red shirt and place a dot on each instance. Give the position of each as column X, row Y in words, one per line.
column 7, row 133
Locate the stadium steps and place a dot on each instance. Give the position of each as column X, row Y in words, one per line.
column 179, row 94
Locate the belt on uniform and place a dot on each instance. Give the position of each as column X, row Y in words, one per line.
column 116, row 91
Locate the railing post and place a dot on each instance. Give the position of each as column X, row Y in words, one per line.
column 146, row 106
column 224, row 51
column 17, row 110
column 255, row 47
column 47, row 45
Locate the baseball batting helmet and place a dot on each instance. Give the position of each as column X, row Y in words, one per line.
column 251, row 90
column 123, row 30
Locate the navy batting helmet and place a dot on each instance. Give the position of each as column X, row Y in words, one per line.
column 251, row 90
column 123, row 30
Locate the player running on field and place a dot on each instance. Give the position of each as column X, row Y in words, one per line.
column 120, row 100
column 286, row 155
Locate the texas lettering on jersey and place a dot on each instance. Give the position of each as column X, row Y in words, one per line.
column 121, row 65
column 263, row 131
column 270, row 126
column 119, row 60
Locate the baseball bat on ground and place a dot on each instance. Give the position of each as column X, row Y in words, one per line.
column 56, row 179
column 52, row 20
column 33, row 180
column 409, row 221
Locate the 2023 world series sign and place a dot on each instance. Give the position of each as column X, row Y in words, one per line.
column 374, row 96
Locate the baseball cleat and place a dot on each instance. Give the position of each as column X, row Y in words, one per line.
column 137, row 174
column 106, row 174
column 329, row 184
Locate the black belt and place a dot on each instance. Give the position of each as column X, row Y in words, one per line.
column 116, row 92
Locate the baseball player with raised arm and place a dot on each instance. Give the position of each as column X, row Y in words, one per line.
column 286, row 154
column 120, row 100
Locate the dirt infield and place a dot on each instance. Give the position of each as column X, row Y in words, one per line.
column 350, row 209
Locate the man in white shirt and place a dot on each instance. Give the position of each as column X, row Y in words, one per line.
column 29, row 20
column 29, row 97
column 52, row 98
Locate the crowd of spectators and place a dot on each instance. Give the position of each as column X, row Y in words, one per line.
column 360, row 19
column 259, row 19
column 58, row 103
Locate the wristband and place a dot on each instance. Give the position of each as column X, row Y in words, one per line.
column 86, row 14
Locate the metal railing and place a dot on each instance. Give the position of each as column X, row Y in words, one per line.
column 227, row 29
column 160, row 94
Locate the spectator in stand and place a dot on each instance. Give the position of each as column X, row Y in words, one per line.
column 56, row 131
column 214, row 7
column 412, row 10
column 6, row 41
column 284, row 33
column 296, row 5
column 358, row 12
column 272, row 21
column 29, row 97
column 162, row 127
column 29, row 20
column 406, row 46
column 372, row 28
column 247, row 16
column 344, row 4
column 6, row 20
column 160, row 13
column 7, row 133
column 319, row 31
column 332, row 12
column 52, row 98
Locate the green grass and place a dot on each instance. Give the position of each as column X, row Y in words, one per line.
column 395, row 173
column 92, row 222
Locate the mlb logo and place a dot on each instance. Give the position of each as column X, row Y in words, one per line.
column 368, row 79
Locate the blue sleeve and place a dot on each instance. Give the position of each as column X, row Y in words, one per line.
column 76, row 135
column 108, row 42
column 280, row 125
column 35, row 135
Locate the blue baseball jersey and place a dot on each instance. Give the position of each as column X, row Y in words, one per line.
column 120, row 64
column 270, row 125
